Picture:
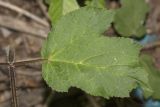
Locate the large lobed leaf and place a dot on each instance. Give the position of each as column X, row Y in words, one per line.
column 80, row 56
column 129, row 19
column 58, row 8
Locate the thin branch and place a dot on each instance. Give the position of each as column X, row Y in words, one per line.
column 43, row 8
column 13, row 86
column 24, row 12
column 12, row 75
column 22, row 26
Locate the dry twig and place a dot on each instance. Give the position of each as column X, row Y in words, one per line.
column 43, row 8
column 22, row 26
column 24, row 12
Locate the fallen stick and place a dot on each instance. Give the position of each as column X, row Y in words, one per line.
column 24, row 12
column 43, row 9
column 18, row 25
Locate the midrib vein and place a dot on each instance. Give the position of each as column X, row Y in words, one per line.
column 88, row 65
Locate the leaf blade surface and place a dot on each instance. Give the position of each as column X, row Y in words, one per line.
column 80, row 56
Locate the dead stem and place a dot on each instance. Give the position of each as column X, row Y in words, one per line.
column 24, row 12
column 11, row 63
column 12, row 76
column 24, row 62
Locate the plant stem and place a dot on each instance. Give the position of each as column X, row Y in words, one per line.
column 11, row 63
column 12, row 76
column 24, row 62
column 11, row 68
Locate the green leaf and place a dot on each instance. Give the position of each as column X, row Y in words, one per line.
column 58, row 8
column 129, row 19
column 80, row 56
column 96, row 3
column 154, row 76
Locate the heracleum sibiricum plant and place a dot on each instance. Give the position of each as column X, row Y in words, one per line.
column 77, row 54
